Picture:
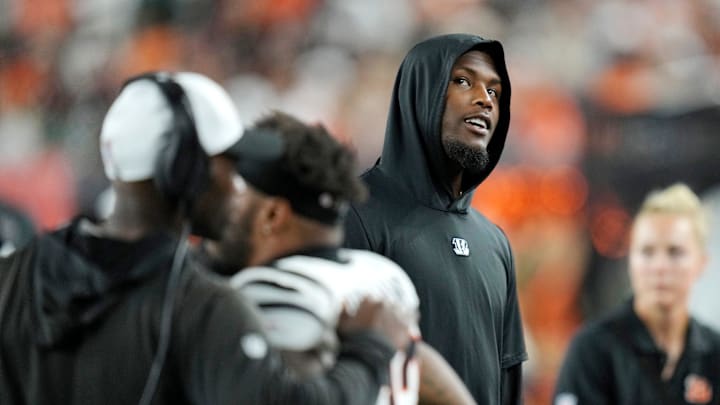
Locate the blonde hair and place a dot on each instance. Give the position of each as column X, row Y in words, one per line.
column 678, row 199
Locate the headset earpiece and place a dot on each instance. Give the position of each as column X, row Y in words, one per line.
column 182, row 166
column 181, row 173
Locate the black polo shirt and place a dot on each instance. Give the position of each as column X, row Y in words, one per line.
column 616, row 361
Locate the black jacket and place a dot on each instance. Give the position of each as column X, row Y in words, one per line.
column 615, row 361
column 80, row 320
column 468, row 303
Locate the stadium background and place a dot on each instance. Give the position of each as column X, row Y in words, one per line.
column 610, row 100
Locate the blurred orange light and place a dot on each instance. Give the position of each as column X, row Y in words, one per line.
column 609, row 228
column 563, row 190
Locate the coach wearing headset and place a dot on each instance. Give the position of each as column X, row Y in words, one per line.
column 111, row 312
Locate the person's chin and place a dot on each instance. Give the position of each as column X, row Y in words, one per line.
column 474, row 143
column 653, row 300
column 666, row 300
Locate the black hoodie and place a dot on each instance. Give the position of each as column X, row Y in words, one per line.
column 468, row 303
column 80, row 319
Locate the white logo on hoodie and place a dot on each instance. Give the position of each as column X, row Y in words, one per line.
column 460, row 247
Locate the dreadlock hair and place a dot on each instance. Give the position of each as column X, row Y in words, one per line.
column 316, row 158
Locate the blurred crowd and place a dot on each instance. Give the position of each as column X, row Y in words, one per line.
column 573, row 65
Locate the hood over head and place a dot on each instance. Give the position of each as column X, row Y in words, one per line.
column 413, row 154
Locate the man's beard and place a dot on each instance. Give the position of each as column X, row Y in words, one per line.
column 472, row 159
column 241, row 249
column 233, row 252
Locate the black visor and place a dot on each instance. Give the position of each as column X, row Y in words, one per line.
column 261, row 159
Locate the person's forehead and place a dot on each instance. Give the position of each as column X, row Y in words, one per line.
column 475, row 57
column 663, row 225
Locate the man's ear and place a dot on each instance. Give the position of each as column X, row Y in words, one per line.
column 274, row 216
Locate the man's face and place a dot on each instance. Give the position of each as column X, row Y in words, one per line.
column 472, row 110
column 210, row 210
column 234, row 249
column 665, row 257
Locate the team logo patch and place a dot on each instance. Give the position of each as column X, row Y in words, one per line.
column 697, row 389
column 254, row 346
column 460, row 247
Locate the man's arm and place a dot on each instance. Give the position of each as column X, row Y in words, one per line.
column 439, row 384
column 514, row 352
column 511, row 385
column 363, row 341
column 224, row 357
column 355, row 379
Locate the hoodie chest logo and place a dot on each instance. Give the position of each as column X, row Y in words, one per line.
column 460, row 247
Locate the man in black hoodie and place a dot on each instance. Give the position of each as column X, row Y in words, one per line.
column 112, row 313
column 446, row 129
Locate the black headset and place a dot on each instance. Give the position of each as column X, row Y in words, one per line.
column 181, row 173
column 182, row 165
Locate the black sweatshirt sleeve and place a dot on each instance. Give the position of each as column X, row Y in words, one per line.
column 224, row 358
column 513, row 342
column 355, row 380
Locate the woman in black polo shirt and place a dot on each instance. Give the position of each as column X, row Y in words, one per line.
column 651, row 351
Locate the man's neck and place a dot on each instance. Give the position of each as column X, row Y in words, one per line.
column 138, row 212
column 305, row 238
column 456, row 186
column 455, row 177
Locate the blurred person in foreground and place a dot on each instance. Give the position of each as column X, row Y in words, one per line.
column 446, row 129
column 112, row 313
column 651, row 351
column 300, row 182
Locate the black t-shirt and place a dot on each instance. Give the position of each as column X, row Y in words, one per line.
column 615, row 361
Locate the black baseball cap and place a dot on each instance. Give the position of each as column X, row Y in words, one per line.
column 262, row 159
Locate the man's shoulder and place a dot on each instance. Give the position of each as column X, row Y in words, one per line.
column 376, row 274
column 356, row 273
column 203, row 292
column 365, row 259
column 352, row 268
column 292, row 278
column 384, row 190
column 203, row 282
column 479, row 217
column 297, row 303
